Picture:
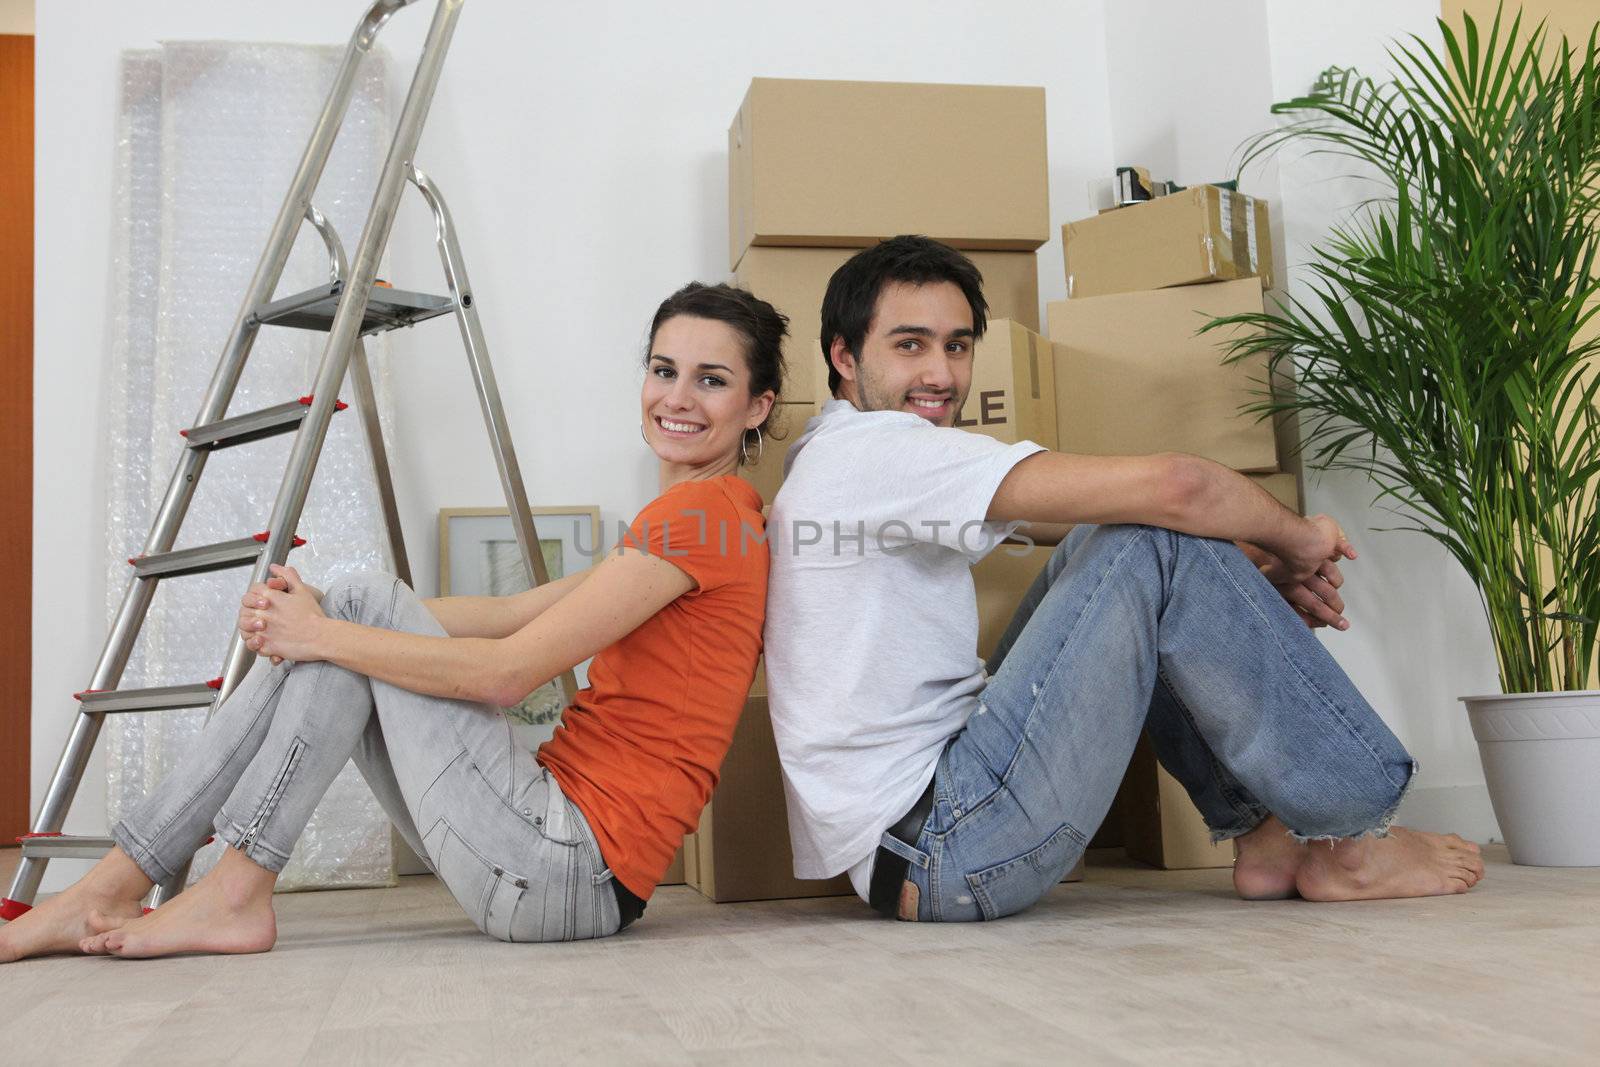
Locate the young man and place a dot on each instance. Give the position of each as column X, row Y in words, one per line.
column 1182, row 601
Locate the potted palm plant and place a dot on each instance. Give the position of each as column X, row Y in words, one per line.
column 1445, row 345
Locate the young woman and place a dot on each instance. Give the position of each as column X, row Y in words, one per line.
column 563, row 844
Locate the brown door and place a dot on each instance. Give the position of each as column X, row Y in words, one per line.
column 16, row 428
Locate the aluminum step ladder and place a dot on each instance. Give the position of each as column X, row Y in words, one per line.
column 352, row 305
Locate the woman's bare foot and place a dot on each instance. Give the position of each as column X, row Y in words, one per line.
column 1266, row 861
column 109, row 893
column 227, row 911
column 1406, row 863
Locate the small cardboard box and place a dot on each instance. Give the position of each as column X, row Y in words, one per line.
column 1203, row 234
column 1013, row 394
column 1134, row 378
column 793, row 280
column 742, row 847
column 1161, row 826
column 828, row 164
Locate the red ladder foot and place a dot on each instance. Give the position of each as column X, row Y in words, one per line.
column 13, row 909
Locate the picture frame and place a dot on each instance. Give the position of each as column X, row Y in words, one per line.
column 479, row 556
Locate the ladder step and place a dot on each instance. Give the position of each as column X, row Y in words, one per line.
column 252, row 426
column 200, row 560
column 203, row 559
column 64, row 846
column 387, row 309
column 159, row 698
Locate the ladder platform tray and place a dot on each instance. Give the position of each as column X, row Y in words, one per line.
column 387, row 309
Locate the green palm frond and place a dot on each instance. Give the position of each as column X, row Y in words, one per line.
column 1444, row 342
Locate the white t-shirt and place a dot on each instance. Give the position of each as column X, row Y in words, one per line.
column 872, row 622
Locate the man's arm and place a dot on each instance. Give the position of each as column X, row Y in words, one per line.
column 1172, row 490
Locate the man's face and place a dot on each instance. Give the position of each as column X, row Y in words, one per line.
column 917, row 355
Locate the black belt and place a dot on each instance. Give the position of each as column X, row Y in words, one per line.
column 629, row 906
column 889, row 868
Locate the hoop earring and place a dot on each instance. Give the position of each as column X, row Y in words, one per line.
column 761, row 447
column 642, row 436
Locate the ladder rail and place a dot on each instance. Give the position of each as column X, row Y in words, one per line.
column 346, row 327
column 179, row 494
column 367, row 409
column 505, row 453
column 372, row 430
column 337, row 264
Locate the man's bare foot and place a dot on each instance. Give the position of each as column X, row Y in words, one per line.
column 1406, row 863
column 228, row 911
column 109, row 893
column 1266, row 861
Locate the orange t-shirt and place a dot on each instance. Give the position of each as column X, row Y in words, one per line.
column 638, row 750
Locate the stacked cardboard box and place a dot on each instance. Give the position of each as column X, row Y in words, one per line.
column 1134, row 376
column 816, row 172
column 794, row 219
column 1203, row 234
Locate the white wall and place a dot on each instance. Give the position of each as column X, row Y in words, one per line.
column 583, row 151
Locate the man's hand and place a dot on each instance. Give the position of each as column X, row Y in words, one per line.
column 1320, row 541
column 1315, row 598
column 283, row 617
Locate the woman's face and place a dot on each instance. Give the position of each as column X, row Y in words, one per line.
column 696, row 399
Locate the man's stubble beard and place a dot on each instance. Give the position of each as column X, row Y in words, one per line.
column 872, row 397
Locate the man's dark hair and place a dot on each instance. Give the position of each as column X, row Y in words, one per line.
column 853, row 291
column 761, row 325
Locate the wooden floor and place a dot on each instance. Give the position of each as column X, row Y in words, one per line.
column 1131, row 966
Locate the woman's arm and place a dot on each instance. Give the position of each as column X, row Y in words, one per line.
column 498, row 616
column 618, row 595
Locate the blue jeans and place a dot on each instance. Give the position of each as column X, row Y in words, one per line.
column 1135, row 627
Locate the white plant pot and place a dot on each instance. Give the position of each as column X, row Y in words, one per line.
column 1541, row 756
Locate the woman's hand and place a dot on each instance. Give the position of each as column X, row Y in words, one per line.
column 283, row 618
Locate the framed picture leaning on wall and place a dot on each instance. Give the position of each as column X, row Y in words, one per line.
column 478, row 556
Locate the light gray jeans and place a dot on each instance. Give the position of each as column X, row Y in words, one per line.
column 517, row 855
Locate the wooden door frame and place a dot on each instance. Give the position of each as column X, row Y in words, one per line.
column 16, row 431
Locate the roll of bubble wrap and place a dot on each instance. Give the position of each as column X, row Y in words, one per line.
column 209, row 136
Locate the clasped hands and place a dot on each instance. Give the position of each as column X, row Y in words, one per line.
column 282, row 617
column 1310, row 585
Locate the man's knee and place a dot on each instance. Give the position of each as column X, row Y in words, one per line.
column 351, row 596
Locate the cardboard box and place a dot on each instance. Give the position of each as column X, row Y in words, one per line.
column 674, row 875
column 1013, row 394
column 1161, row 825
column 1133, row 378
column 1001, row 578
column 766, row 473
column 793, row 280
column 846, row 164
column 742, row 847
column 1284, row 487
column 1203, row 234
